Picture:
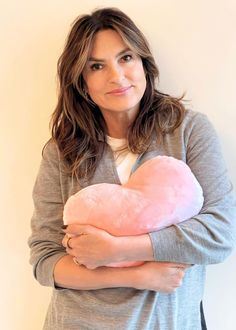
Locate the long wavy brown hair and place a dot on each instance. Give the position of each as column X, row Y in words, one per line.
column 78, row 127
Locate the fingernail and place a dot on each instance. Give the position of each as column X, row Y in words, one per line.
column 64, row 226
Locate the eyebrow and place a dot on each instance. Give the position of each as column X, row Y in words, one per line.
column 94, row 59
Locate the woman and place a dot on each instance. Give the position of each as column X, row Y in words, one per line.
column 108, row 121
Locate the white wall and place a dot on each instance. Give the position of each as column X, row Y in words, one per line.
column 195, row 46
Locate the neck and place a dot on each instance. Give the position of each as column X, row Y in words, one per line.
column 117, row 132
column 118, row 125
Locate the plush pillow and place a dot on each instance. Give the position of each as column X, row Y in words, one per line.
column 161, row 192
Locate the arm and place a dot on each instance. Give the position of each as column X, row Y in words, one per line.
column 162, row 277
column 94, row 247
column 51, row 264
column 45, row 240
column 210, row 236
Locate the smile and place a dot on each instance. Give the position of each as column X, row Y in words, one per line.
column 120, row 91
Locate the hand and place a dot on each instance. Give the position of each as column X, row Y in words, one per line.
column 160, row 276
column 91, row 246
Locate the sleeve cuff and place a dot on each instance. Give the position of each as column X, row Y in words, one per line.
column 44, row 273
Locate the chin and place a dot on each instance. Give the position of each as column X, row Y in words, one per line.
column 125, row 106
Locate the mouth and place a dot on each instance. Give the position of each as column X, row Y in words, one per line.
column 120, row 91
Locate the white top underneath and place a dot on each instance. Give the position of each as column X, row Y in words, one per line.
column 124, row 159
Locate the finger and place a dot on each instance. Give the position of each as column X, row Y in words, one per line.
column 66, row 241
column 76, row 261
column 184, row 266
column 76, row 229
column 179, row 265
column 91, row 267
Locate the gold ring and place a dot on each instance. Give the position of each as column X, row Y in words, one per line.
column 76, row 261
column 67, row 243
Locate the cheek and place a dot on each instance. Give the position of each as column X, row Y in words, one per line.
column 95, row 86
column 138, row 74
column 92, row 90
column 96, row 91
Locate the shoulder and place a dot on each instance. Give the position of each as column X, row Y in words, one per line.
column 50, row 150
column 50, row 157
column 195, row 118
column 197, row 124
column 200, row 136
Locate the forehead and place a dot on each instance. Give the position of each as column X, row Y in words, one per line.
column 107, row 41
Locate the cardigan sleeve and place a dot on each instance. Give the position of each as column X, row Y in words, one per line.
column 210, row 236
column 46, row 237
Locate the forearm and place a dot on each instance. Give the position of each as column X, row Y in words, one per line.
column 94, row 247
column 155, row 276
column 134, row 248
column 210, row 236
column 69, row 275
column 202, row 240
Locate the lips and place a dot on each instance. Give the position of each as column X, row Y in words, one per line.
column 120, row 91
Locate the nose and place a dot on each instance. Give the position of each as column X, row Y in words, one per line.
column 116, row 73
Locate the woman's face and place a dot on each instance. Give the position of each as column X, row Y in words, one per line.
column 114, row 75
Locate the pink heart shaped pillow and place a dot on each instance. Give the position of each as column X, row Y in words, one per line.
column 161, row 192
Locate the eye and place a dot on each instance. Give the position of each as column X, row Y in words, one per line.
column 96, row 66
column 127, row 58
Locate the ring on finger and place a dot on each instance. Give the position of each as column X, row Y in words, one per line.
column 68, row 242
